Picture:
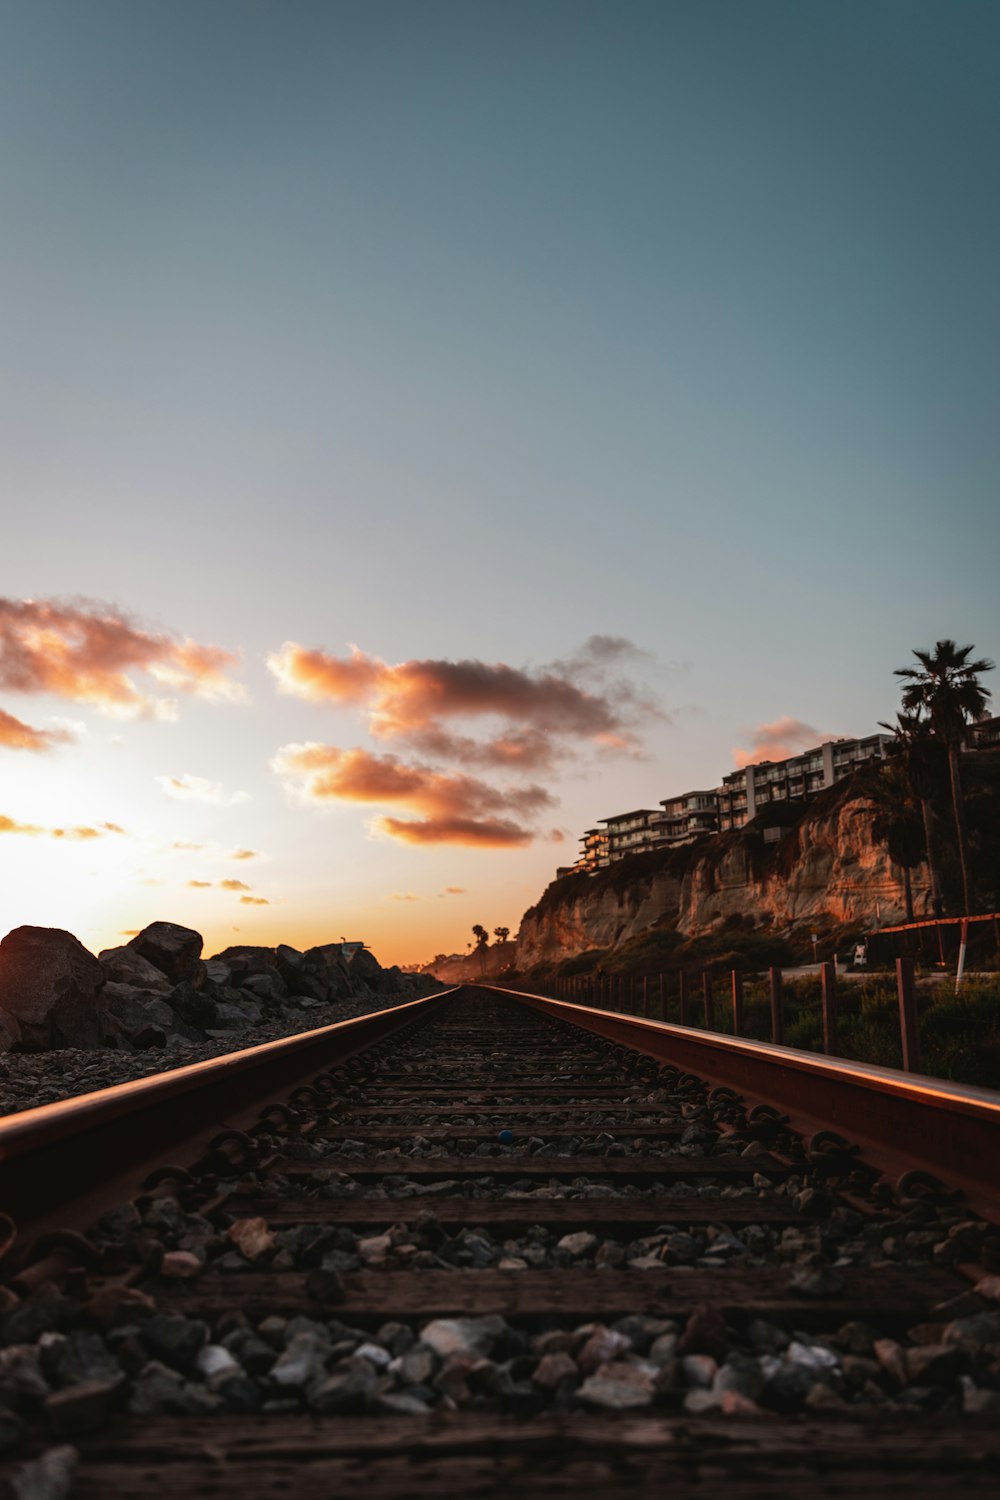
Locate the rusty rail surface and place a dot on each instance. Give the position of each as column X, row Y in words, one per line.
column 901, row 1121
column 96, row 1148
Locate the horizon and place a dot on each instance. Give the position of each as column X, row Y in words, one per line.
column 430, row 428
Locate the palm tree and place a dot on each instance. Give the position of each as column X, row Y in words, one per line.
column 922, row 757
column 501, row 934
column 947, row 686
column 481, row 936
column 896, row 821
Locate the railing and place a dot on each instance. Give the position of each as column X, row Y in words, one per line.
column 689, row 999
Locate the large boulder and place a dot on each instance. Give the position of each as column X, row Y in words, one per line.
column 324, row 974
column 126, row 965
column 51, row 986
column 10, row 1031
column 269, row 988
column 174, row 950
column 142, row 1018
column 366, row 967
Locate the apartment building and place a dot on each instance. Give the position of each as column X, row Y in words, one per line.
column 983, row 734
column 632, row 832
column 689, row 816
column 740, row 797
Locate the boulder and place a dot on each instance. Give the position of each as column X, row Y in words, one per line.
column 324, row 974
column 217, row 972
column 246, row 959
column 141, row 1017
column 364, row 965
column 10, row 1031
column 51, row 986
column 267, row 987
column 126, row 965
column 174, row 950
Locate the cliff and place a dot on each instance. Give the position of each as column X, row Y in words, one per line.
column 826, row 872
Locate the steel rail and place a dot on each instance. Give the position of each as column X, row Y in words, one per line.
column 95, row 1149
column 901, row 1121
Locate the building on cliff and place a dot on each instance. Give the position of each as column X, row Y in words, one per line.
column 742, row 795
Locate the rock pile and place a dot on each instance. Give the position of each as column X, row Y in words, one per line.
column 158, row 991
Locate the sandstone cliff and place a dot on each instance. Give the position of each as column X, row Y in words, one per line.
column 827, row 871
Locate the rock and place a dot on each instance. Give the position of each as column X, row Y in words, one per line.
column 244, row 959
column 156, row 1388
column 601, row 1347
column 302, row 1362
column 471, row 1337
column 365, row 966
column 988, row 1287
column 934, row 1364
column 81, row 1408
column 617, row 1387
column 174, row 950
column 577, row 1245
column 704, row 1333
column 10, row 1031
column 180, row 1265
column 76, row 1357
column 375, row 1248
column 970, row 1333
column 267, row 987
column 217, row 973
column 976, row 1400
column 251, row 1237
column 553, row 1369
column 213, row 1360
column 21, row 1376
column 235, row 1017
column 47, row 1478
column 51, row 986
column 699, row 1370
column 141, row 1016
column 173, row 1339
column 127, row 966
column 345, row 1390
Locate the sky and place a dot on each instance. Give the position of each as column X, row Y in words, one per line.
column 429, row 427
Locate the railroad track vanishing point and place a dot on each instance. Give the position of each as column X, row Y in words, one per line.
column 488, row 1244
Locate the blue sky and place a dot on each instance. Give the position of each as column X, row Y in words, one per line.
column 470, row 331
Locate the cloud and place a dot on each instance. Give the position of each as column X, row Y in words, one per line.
column 403, row 896
column 252, row 901
column 130, row 932
column 454, row 890
column 16, row 735
column 516, row 750
column 451, row 808
column 189, row 788
column 244, row 854
column 82, row 832
column 200, row 885
column 488, row 833
column 411, row 698
column 777, row 741
column 233, row 885
column 180, row 844
column 85, row 651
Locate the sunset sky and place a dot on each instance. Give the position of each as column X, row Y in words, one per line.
column 428, row 427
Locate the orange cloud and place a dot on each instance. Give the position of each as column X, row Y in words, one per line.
column 245, row 854
column 409, row 699
column 778, row 741
column 254, row 901
column 233, row 885
column 452, row 808
column 454, row 890
column 200, row 885
column 85, row 651
column 16, row 735
column 489, row 833
column 81, row 832
column 403, row 896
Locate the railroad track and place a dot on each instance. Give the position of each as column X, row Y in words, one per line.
column 483, row 1242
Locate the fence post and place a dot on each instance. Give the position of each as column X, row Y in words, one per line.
column 909, row 1024
column 828, row 980
column 706, row 985
column 777, row 1007
column 645, row 996
column 737, row 1003
column 682, row 996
